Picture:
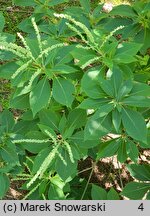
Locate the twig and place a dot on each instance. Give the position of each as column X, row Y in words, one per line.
column 84, row 170
column 85, row 189
column 120, row 175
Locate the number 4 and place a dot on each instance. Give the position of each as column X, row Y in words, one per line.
column 141, row 207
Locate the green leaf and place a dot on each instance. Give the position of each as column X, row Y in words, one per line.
column 126, row 52
column 56, row 2
column 147, row 145
column 109, row 49
column 6, row 55
column 139, row 172
column 135, row 190
column 121, row 154
column 62, row 124
column 142, row 77
column 141, row 6
column 107, row 61
column 7, row 70
column 103, row 111
column 115, row 22
column 98, row 193
column 97, row 11
column 107, row 87
column 7, row 120
column 123, row 10
column 78, row 152
column 146, row 36
column 32, row 43
column 27, row 87
column 85, row 59
column 63, row 69
column 86, row 5
column 137, row 101
column 8, row 168
column 2, row 21
column 40, row 158
column 125, row 88
column 22, row 127
column 140, row 89
column 49, row 118
column 39, row 96
column 112, row 195
column 68, row 170
column 132, row 151
column 55, row 193
column 134, row 124
column 116, row 80
column 68, row 132
column 116, row 119
column 93, row 103
column 90, row 84
column 20, row 102
column 128, row 48
column 57, row 181
column 35, row 147
column 9, row 154
column 76, row 118
column 78, row 139
column 124, row 59
column 63, row 91
column 96, row 128
column 63, row 54
column 108, row 149
column 4, row 184
column 82, row 54
column 24, row 3
column 42, row 187
column 44, row 128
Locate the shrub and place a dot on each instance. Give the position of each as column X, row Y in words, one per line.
column 77, row 77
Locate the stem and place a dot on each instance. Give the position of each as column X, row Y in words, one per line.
column 85, row 189
column 85, row 170
column 120, row 176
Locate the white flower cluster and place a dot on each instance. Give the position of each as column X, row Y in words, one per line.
column 55, row 152
column 28, row 87
column 47, row 161
column 49, row 49
column 77, row 23
column 61, row 158
column 37, row 33
column 91, row 61
column 20, row 69
column 111, row 34
column 69, row 151
column 15, row 49
column 25, row 52
column 30, row 141
column 25, row 45
column 76, row 31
